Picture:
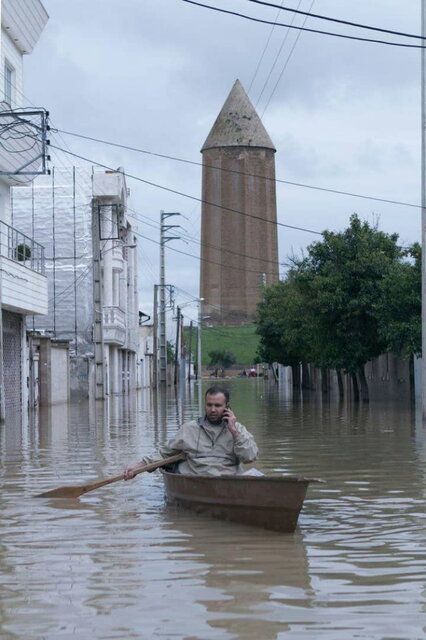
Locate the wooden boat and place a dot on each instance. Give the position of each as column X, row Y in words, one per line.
column 270, row 502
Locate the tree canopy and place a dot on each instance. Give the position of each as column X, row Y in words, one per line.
column 222, row 358
column 354, row 295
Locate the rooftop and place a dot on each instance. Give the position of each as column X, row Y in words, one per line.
column 238, row 124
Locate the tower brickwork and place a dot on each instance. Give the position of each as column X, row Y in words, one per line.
column 239, row 252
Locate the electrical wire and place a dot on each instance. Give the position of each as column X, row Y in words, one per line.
column 271, row 70
column 286, row 63
column 242, row 173
column 338, row 21
column 325, row 33
column 264, row 51
column 190, row 197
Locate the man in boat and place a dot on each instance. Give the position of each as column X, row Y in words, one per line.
column 215, row 444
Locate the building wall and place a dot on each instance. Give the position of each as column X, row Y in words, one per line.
column 232, row 284
column 57, row 211
column 11, row 53
column 23, row 290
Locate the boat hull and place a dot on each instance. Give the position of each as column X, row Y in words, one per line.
column 270, row 503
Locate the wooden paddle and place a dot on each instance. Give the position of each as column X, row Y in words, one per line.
column 78, row 490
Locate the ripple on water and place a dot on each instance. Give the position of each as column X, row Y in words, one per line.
column 120, row 564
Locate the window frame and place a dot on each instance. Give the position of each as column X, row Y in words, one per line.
column 9, row 76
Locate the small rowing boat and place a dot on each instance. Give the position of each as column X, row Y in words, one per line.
column 270, row 502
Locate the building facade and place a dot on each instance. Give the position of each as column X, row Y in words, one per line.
column 91, row 266
column 23, row 284
column 239, row 250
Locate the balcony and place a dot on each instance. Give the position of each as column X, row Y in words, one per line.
column 114, row 326
column 23, row 281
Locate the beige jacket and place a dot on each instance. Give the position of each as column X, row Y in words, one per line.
column 211, row 449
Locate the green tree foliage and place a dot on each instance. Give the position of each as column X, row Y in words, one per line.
column 281, row 324
column 398, row 308
column 222, row 358
column 355, row 295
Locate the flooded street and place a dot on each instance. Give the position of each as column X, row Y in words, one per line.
column 120, row 564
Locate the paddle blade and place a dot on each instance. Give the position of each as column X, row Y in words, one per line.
column 62, row 492
column 77, row 490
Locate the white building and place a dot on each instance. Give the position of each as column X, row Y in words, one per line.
column 23, row 285
column 145, row 367
column 80, row 217
column 118, row 337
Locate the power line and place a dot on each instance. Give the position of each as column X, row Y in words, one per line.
column 286, row 62
column 276, row 57
column 264, row 51
column 186, row 195
column 191, row 255
column 325, row 33
column 135, row 214
column 338, row 21
column 241, row 173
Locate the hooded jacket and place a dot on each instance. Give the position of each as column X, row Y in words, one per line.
column 211, row 449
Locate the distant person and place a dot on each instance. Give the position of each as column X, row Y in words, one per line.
column 215, row 444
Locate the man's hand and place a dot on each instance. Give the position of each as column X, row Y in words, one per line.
column 230, row 418
column 129, row 473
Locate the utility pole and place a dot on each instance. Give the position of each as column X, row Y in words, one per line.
column 199, row 362
column 177, row 347
column 423, row 178
column 163, row 340
column 155, row 338
column 190, row 351
column 98, row 337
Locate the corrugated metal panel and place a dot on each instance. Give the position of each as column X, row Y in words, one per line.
column 12, row 348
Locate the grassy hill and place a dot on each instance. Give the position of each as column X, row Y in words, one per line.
column 242, row 341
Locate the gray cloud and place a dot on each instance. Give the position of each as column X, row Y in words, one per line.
column 154, row 74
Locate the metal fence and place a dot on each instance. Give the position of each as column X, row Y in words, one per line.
column 16, row 246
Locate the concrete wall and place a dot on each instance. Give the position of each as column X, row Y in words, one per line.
column 54, row 372
column 388, row 378
column 23, row 290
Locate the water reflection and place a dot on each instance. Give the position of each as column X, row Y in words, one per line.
column 120, row 564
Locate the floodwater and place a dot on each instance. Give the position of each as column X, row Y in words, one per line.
column 120, row 564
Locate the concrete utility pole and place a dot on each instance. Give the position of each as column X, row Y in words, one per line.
column 163, row 340
column 199, row 361
column 177, row 347
column 423, row 178
column 98, row 338
column 155, row 338
column 190, row 351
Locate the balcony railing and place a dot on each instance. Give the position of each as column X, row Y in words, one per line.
column 16, row 246
column 114, row 316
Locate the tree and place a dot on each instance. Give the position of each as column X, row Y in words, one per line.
column 281, row 326
column 326, row 312
column 222, row 358
column 342, row 277
column 399, row 307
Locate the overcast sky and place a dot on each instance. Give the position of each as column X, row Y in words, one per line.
column 155, row 73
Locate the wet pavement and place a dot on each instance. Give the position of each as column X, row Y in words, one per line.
column 120, row 564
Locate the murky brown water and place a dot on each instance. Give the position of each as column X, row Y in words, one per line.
column 118, row 564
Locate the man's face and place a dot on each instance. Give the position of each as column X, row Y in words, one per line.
column 215, row 406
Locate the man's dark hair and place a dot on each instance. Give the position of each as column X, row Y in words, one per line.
column 215, row 389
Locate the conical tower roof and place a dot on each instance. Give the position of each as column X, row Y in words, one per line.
column 238, row 124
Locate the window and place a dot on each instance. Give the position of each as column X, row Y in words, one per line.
column 8, row 82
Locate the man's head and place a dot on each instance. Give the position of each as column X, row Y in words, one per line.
column 217, row 401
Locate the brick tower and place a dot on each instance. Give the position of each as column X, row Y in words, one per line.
column 239, row 253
